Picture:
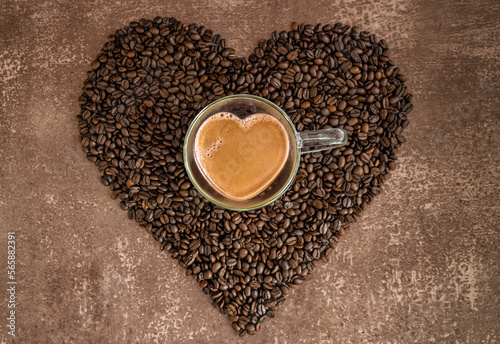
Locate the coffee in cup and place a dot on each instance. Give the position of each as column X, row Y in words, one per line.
column 242, row 152
column 241, row 157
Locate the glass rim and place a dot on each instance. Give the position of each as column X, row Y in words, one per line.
column 283, row 189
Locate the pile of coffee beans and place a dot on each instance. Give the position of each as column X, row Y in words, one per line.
column 151, row 79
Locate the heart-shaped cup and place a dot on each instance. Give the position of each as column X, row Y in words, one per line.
column 248, row 172
column 241, row 157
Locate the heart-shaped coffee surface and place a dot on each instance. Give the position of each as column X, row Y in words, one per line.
column 241, row 157
column 151, row 79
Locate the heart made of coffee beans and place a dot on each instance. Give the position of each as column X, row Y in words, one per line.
column 151, row 79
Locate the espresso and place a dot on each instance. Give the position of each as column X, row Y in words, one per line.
column 241, row 157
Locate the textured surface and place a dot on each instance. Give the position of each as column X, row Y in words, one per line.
column 421, row 266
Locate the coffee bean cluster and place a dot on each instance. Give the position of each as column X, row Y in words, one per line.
column 152, row 77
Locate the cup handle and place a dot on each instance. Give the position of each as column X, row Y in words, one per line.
column 319, row 140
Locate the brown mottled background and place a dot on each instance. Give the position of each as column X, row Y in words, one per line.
column 421, row 266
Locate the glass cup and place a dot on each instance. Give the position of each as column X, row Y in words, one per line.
column 244, row 105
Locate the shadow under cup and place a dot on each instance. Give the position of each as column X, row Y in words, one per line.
column 242, row 106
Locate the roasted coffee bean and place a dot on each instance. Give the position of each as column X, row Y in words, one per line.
column 152, row 78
